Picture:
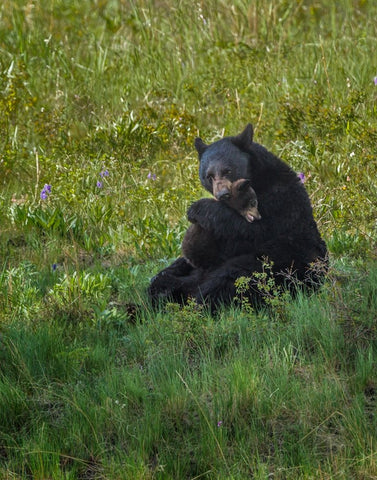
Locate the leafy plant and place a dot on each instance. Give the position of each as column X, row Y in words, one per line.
column 81, row 289
column 263, row 289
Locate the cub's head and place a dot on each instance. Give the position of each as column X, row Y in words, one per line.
column 243, row 199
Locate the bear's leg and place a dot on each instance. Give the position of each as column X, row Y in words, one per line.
column 218, row 287
column 176, row 283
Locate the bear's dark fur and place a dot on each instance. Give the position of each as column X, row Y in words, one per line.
column 199, row 245
column 287, row 233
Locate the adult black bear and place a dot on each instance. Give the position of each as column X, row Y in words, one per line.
column 199, row 245
column 287, row 234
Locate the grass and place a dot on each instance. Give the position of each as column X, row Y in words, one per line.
column 180, row 393
column 115, row 92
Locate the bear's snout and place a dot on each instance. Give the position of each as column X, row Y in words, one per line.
column 223, row 195
column 222, row 189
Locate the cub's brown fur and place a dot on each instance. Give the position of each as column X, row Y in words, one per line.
column 200, row 247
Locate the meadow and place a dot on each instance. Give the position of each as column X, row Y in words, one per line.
column 100, row 103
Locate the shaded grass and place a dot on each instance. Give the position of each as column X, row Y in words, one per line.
column 180, row 393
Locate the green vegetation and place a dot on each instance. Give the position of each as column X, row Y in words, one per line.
column 100, row 101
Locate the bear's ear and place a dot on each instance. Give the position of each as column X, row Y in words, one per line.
column 200, row 146
column 245, row 139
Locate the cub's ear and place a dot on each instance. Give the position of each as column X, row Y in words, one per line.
column 243, row 185
column 245, row 139
column 200, row 146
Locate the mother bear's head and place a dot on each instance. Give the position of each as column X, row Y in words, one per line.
column 225, row 161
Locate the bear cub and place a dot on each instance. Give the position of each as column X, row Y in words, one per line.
column 200, row 247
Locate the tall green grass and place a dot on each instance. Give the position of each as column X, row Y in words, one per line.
column 102, row 100
column 182, row 394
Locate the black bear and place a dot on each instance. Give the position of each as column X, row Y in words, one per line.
column 199, row 245
column 287, row 234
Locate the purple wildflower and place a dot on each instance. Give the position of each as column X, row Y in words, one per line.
column 104, row 173
column 99, row 184
column 151, row 176
column 54, row 267
column 301, row 176
column 375, row 80
column 46, row 190
column 220, row 423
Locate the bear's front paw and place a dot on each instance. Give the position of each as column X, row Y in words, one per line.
column 198, row 211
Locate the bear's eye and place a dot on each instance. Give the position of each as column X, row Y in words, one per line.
column 228, row 171
column 210, row 177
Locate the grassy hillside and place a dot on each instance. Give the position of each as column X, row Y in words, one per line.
column 100, row 102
